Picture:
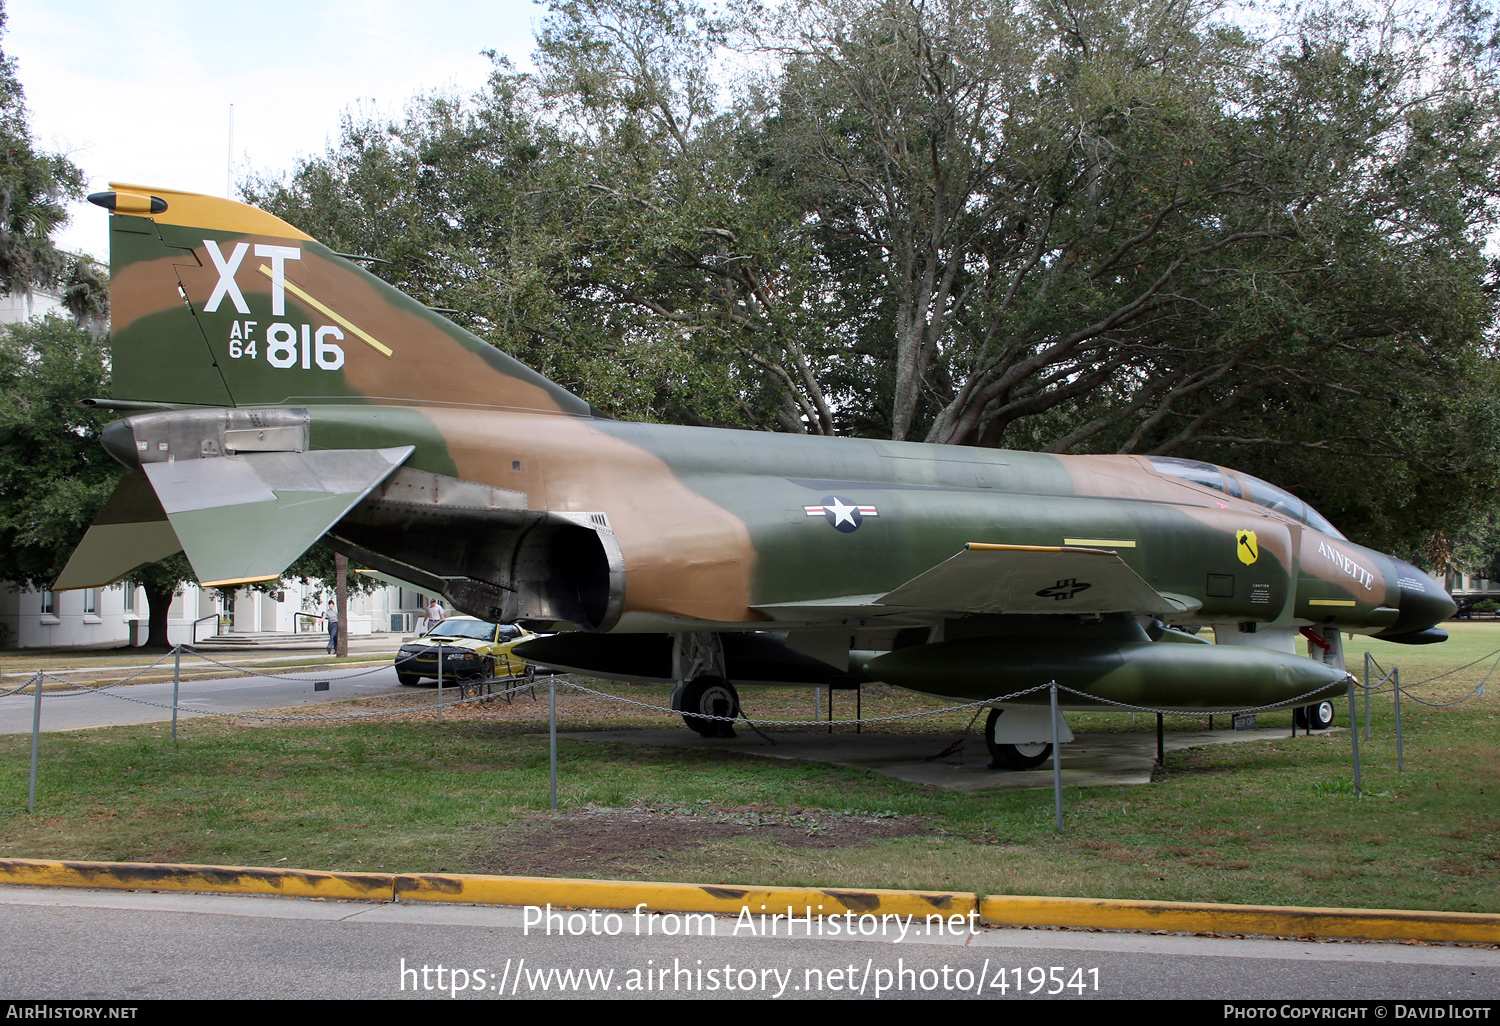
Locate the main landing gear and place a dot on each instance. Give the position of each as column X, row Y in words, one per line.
column 709, row 695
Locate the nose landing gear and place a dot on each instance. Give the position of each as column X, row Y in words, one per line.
column 1016, row 756
column 1318, row 716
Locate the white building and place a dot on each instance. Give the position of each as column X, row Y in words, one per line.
column 117, row 615
column 36, row 302
column 1465, row 588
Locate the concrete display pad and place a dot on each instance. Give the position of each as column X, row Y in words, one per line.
column 1092, row 760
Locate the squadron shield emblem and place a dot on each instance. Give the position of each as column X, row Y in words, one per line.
column 1246, row 546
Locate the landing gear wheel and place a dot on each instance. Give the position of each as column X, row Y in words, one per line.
column 1318, row 716
column 1015, row 757
column 409, row 680
column 709, row 696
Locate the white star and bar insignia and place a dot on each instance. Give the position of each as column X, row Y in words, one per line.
column 844, row 515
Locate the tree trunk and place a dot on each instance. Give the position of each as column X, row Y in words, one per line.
column 158, row 607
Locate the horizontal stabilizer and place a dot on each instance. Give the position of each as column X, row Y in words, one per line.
column 246, row 518
column 239, row 518
column 1031, row 579
column 130, row 532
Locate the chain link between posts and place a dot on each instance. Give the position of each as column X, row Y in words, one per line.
column 75, row 689
column 199, row 713
column 1476, row 691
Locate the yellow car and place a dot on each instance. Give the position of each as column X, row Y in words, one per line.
column 470, row 649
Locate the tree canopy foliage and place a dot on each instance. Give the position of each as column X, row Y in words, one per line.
column 1104, row 226
column 54, row 475
column 33, row 189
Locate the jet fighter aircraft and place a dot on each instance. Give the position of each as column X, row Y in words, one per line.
column 275, row 393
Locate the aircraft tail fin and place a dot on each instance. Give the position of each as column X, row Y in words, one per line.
column 216, row 303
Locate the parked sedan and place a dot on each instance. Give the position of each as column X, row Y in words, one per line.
column 470, row 650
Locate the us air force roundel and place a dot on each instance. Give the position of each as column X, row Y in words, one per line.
column 844, row 515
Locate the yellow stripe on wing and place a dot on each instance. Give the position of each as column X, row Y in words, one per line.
column 238, row 580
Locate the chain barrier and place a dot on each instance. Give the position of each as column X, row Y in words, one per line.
column 259, row 673
column 1446, row 673
column 805, row 723
column 1385, row 677
column 1300, row 699
column 20, row 687
column 1478, row 689
column 664, row 710
column 527, row 685
column 1303, row 698
column 74, row 689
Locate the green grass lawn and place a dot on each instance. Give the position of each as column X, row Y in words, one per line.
column 1266, row 822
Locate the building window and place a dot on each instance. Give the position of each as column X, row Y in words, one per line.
column 49, row 602
column 90, row 601
column 129, row 587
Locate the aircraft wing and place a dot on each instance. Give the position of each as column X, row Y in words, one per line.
column 986, row 578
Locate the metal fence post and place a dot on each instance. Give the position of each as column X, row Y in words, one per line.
column 176, row 683
column 1396, row 691
column 1056, row 762
column 36, row 733
column 1354, row 736
column 1367, row 695
column 552, row 726
column 440, row 682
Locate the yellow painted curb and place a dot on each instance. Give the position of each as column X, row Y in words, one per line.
column 298, row 883
column 1267, row 920
column 722, row 899
column 956, row 908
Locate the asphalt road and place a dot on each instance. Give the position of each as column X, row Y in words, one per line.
column 114, row 945
column 152, row 703
column 117, row 945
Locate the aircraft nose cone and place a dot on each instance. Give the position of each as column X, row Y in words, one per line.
column 1423, row 602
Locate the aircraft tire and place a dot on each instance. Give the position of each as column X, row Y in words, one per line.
column 1319, row 715
column 710, row 696
column 1012, row 757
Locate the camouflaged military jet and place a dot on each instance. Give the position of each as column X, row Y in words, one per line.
column 275, row 393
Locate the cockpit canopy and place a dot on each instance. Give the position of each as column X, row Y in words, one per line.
column 1243, row 486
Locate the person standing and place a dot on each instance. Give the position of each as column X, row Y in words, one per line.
column 331, row 616
column 434, row 615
